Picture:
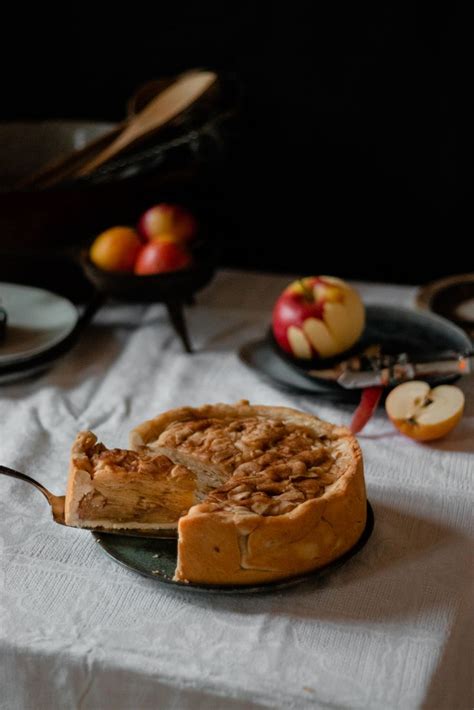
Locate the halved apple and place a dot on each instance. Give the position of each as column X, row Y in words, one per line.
column 423, row 413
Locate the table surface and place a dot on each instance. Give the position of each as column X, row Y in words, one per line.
column 390, row 629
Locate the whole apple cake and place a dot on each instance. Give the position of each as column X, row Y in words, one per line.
column 256, row 493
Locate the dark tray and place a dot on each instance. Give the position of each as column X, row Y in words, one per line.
column 3, row 323
column 156, row 559
column 396, row 329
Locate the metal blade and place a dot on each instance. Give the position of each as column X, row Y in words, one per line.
column 57, row 509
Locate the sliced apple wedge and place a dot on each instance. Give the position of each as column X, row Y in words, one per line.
column 298, row 343
column 320, row 338
column 423, row 413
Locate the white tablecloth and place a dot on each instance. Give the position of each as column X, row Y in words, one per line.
column 390, row 629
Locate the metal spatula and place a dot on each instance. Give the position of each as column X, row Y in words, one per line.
column 57, row 509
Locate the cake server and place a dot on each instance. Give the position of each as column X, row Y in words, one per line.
column 57, row 504
column 371, row 370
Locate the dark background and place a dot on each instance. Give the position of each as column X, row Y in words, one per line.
column 354, row 149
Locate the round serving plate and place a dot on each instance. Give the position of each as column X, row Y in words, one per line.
column 260, row 356
column 397, row 330
column 156, row 558
column 37, row 321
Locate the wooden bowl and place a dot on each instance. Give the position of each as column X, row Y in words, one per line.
column 174, row 289
column 163, row 288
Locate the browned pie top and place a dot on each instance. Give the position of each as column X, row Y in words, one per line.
column 235, row 460
column 125, row 466
column 272, row 465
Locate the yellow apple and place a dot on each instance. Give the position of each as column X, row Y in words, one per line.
column 423, row 413
column 116, row 249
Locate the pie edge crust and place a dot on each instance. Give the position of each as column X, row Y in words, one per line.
column 211, row 544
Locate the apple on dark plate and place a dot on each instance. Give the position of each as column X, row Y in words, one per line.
column 394, row 329
column 317, row 317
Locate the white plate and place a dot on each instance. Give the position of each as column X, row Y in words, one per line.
column 37, row 320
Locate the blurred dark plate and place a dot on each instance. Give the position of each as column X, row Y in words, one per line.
column 396, row 329
column 452, row 298
column 3, row 323
column 156, row 558
column 37, row 321
column 44, row 358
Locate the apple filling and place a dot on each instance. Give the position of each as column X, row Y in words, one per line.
column 150, row 493
column 127, row 488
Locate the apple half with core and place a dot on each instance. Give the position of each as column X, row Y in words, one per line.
column 318, row 316
column 423, row 413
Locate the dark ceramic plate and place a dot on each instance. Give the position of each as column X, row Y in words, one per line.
column 260, row 356
column 396, row 329
column 156, row 558
column 3, row 323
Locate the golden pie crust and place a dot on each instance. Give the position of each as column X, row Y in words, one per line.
column 257, row 493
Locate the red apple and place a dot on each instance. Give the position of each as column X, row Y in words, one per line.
column 318, row 316
column 167, row 219
column 161, row 256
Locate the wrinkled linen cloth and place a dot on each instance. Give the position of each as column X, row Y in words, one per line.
column 389, row 629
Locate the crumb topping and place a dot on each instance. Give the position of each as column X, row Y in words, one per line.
column 273, row 466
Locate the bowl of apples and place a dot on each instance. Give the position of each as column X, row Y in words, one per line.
column 167, row 257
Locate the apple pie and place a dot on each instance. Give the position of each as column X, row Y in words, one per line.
column 256, row 493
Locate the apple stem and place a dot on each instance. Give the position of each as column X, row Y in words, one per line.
column 307, row 293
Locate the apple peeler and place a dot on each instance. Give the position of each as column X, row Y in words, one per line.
column 374, row 369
